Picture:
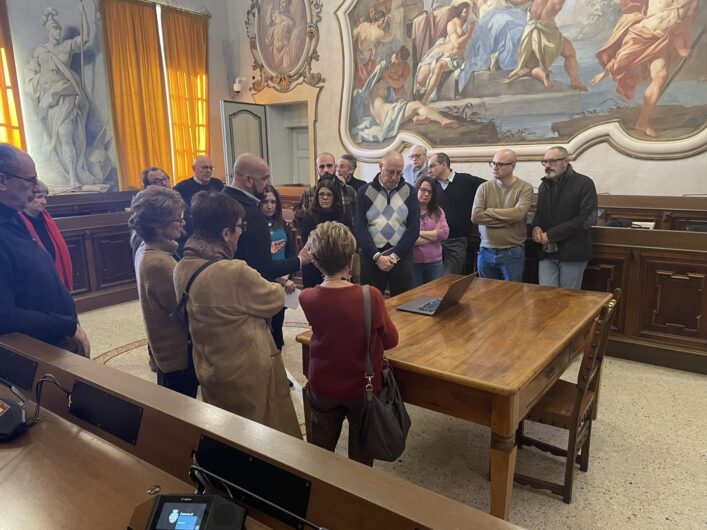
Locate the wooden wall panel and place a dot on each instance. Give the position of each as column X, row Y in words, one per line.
column 674, row 301
column 114, row 258
column 79, row 262
column 606, row 272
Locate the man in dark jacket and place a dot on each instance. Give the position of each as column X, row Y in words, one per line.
column 456, row 192
column 567, row 209
column 33, row 299
column 250, row 176
column 387, row 226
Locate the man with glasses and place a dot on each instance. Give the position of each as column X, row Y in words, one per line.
column 250, row 176
column 387, row 226
column 326, row 170
column 202, row 180
column 33, row 299
column 500, row 209
column 456, row 192
column 418, row 164
column 566, row 211
column 155, row 176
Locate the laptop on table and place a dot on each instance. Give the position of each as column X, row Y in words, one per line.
column 430, row 306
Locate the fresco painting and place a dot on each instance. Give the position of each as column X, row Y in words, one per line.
column 64, row 93
column 494, row 72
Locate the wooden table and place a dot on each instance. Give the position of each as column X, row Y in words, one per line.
column 58, row 475
column 490, row 358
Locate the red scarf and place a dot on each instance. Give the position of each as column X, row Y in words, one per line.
column 62, row 259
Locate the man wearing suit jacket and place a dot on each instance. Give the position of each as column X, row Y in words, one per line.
column 250, row 176
column 456, row 192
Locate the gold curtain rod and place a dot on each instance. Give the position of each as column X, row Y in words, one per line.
column 181, row 9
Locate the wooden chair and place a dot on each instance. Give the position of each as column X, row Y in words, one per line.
column 571, row 406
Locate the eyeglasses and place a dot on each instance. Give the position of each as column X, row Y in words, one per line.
column 32, row 180
column 425, row 191
column 243, row 225
column 495, row 164
column 161, row 179
column 552, row 161
column 207, row 167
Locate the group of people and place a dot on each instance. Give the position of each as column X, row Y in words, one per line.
column 401, row 233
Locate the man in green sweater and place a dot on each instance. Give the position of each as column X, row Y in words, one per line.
column 500, row 209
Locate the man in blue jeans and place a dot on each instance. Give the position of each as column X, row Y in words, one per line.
column 566, row 211
column 500, row 209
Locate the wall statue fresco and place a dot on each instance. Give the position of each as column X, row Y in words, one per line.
column 538, row 72
column 67, row 136
column 283, row 37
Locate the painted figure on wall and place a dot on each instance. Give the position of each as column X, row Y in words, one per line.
column 279, row 35
column 645, row 43
column 519, row 71
column 283, row 33
column 542, row 44
column 60, row 99
column 447, row 54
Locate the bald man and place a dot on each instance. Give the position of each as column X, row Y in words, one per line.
column 33, row 299
column 250, row 176
column 202, row 180
column 500, row 209
column 387, row 226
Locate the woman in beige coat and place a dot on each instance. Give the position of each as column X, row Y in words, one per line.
column 238, row 365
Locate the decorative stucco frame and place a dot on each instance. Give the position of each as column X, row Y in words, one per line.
column 266, row 76
column 611, row 132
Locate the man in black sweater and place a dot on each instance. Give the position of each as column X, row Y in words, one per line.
column 456, row 192
column 250, row 176
column 201, row 181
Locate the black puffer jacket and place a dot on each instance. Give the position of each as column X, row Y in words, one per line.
column 567, row 208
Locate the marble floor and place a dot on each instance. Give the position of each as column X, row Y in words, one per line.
column 648, row 467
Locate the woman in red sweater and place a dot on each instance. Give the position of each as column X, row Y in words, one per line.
column 337, row 351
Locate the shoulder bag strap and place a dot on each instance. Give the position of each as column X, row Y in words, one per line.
column 367, row 320
column 185, row 294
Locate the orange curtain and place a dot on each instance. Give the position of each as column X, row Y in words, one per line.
column 139, row 104
column 185, row 47
column 11, row 128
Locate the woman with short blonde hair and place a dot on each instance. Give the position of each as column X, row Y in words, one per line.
column 337, row 351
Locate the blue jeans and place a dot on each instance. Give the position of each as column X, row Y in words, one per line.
column 501, row 263
column 426, row 272
column 565, row 274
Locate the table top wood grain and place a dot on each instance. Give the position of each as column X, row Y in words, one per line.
column 497, row 339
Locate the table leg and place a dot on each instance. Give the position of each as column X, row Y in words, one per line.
column 503, row 466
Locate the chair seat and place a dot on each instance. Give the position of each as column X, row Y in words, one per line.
column 555, row 408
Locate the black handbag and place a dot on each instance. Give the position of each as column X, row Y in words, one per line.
column 384, row 421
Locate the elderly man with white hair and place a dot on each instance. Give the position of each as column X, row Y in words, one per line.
column 387, row 226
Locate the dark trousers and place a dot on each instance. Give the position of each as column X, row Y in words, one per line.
column 398, row 279
column 326, row 418
column 182, row 381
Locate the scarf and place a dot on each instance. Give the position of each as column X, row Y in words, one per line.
column 62, row 261
column 197, row 247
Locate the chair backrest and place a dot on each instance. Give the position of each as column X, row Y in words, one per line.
column 594, row 350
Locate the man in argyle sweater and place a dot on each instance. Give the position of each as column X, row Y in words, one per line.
column 387, row 226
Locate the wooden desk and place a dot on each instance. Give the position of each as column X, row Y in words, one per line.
column 344, row 494
column 490, row 358
column 57, row 475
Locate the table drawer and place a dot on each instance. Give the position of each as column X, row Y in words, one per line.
column 532, row 393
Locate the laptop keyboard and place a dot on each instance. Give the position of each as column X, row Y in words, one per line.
column 431, row 306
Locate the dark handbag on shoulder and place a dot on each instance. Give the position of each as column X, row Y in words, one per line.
column 384, row 421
